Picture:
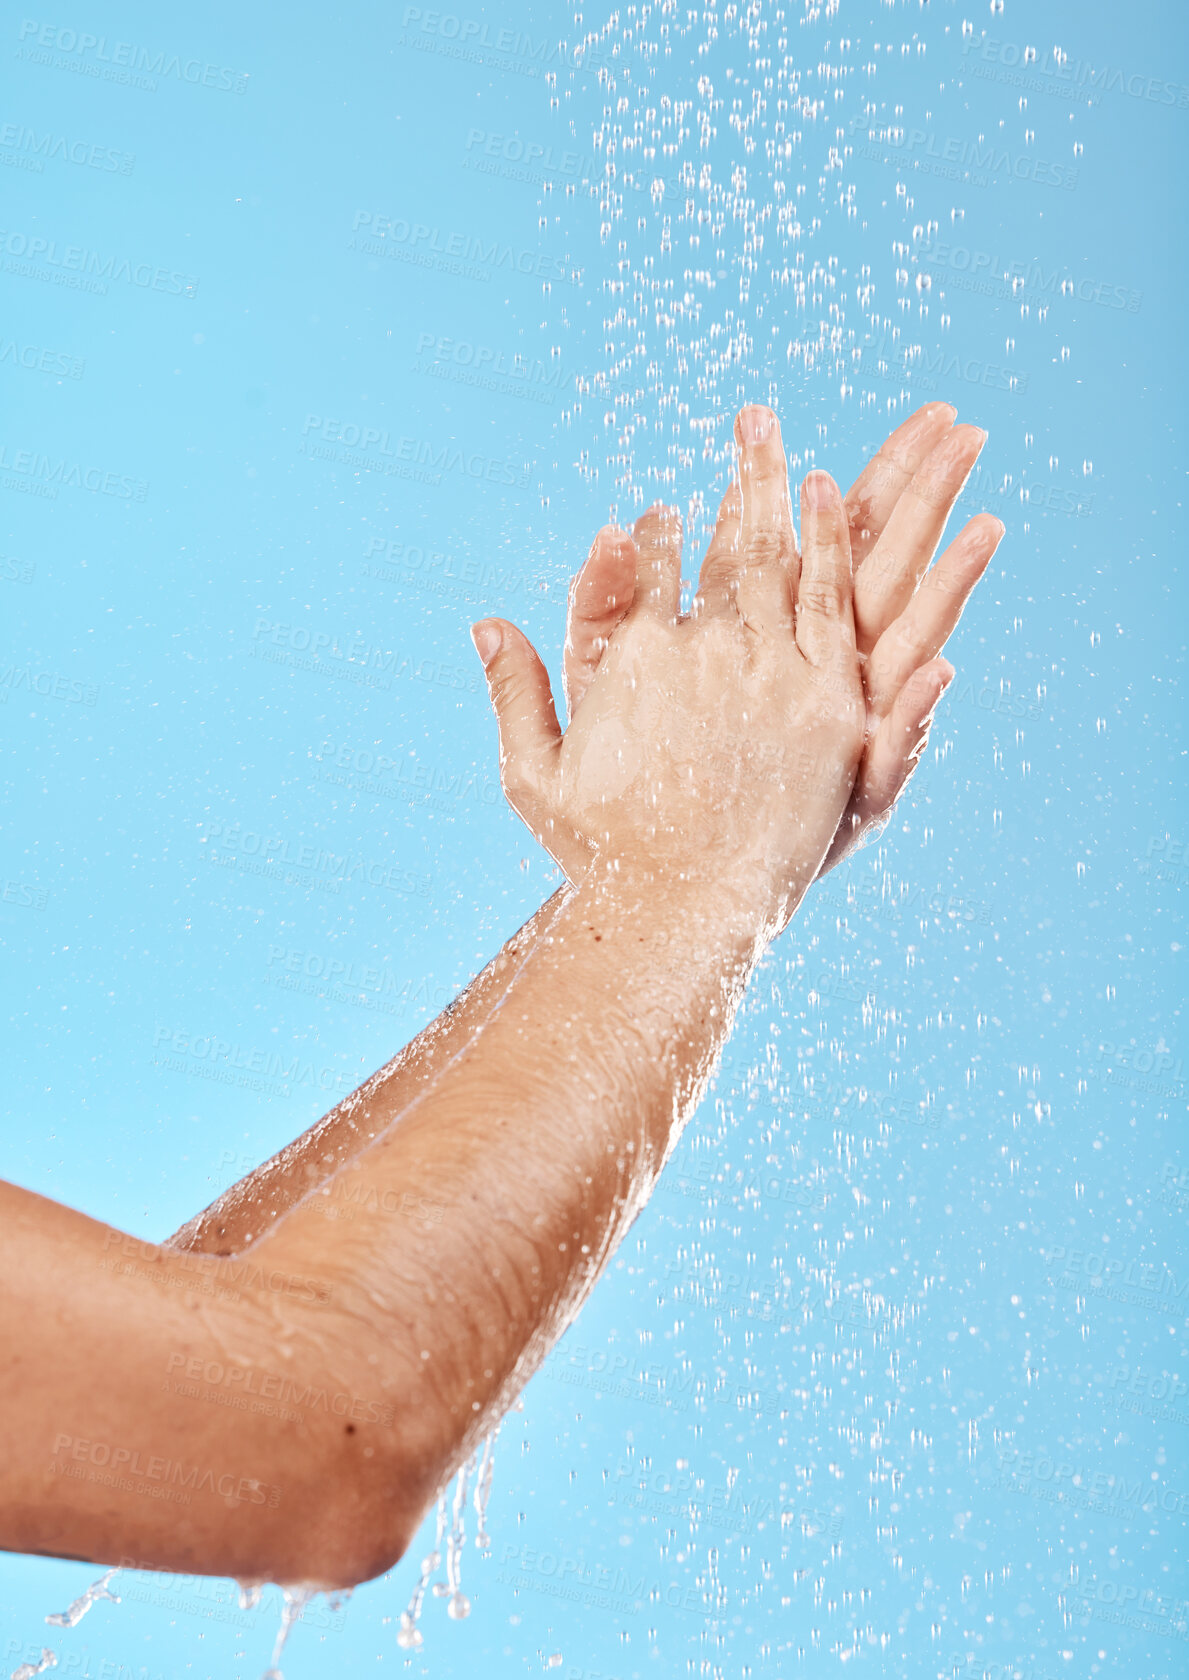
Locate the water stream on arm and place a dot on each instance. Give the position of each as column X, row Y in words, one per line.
column 477, row 1474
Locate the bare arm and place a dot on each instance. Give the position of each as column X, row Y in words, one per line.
column 161, row 1408
column 706, row 781
column 248, row 1209
column 896, row 510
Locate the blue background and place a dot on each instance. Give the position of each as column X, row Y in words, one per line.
column 893, row 1366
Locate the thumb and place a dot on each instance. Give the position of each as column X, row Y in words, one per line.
column 521, row 699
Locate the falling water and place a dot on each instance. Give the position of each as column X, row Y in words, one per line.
column 68, row 1618
column 458, row 1606
column 483, row 1490
column 480, row 1466
column 296, row 1599
column 27, row 1670
column 74, row 1613
column 409, row 1637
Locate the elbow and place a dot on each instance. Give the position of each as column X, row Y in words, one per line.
column 359, row 1514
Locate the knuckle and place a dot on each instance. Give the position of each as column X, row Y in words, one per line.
column 819, row 596
column 934, row 491
column 518, row 779
column 914, row 639
column 764, row 548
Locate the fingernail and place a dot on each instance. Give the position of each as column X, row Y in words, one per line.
column 955, row 450
column 756, row 424
column 487, row 637
column 929, row 416
column 820, row 491
column 947, row 674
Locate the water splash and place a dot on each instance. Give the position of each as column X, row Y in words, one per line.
column 458, row 1606
column 74, row 1613
column 409, row 1638
column 27, row 1670
column 479, row 1470
column 483, row 1482
column 296, row 1599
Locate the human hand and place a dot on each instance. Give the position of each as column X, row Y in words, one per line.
column 720, row 745
column 903, row 611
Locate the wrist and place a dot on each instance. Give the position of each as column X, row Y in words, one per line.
column 740, row 909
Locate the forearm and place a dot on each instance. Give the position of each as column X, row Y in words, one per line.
column 537, row 1146
column 249, row 1208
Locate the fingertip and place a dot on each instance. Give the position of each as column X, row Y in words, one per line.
column 819, row 491
column 488, row 637
column 754, row 425
column 612, row 539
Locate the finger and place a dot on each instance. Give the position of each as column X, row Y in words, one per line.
column 658, row 567
column 522, row 701
column 922, row 629
column 873, row 495
column 891, row 757
column 766, row 536
column 898, row 743
column 825, row 626
column 719, row 565
column 896, row 564
column 600, row 596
